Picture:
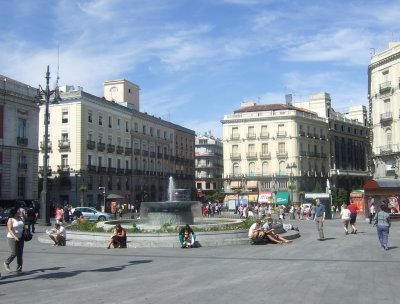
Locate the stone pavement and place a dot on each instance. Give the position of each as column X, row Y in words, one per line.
column 342, row 269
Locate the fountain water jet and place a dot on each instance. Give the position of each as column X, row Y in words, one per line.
column 178, row 210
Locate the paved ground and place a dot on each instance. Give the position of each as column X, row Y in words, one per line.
column 342, row 269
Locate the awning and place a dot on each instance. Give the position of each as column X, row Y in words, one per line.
column 265, row 197
column 251, row 184
column 114, row 196
column 235, row 184
column 253, row 198
column 282, row 198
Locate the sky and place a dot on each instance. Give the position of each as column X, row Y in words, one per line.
column 197, row 60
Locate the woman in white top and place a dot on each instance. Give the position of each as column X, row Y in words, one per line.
column 345, row 216
column 15, row 227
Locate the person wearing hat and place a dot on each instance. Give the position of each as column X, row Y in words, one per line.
column 58, row 234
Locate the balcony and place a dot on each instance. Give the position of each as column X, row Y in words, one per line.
column 302, row 134
column 251, row 136
column 386, row 117
column 120, row 150
column 22, row 166
column 101, row 146
column 385, row 87
column 91, row 168
column 387, row 149
column 264, row 135
column 128, row 171
column 111, row 170
column 22, row 141
column 128, row 151
column 159, row 155
column 120, row 171
column 41, row 170
column 251, row 155
column 303, row 153
column 63, row 168
column 101, row 169
column 166, row 156
column 64, row 144
column 110, row 148
column 90, row 144
column 282, row 154
column 153, row 154
column 265, row 155
column 281, row 134
column 136, row 151
column 235, row 137
column 236, row 156
column 42, row 146
column 145, row 153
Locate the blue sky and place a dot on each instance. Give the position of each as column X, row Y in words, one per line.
column 196, row 60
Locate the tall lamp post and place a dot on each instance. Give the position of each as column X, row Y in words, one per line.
column 43, row 97
column 104, row 197
column 291, row 166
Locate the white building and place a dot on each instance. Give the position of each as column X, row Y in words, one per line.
column 384, row 106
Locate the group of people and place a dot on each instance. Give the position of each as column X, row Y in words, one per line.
column 265, row 233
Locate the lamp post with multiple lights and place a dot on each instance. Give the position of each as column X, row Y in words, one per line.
column 291, row 166
column 43, row 97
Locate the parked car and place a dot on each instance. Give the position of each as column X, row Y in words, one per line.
column 4, row 216
column 91, row 214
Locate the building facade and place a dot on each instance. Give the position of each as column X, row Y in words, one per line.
column 208, row 165
column 19, row 117
column 384, row 107
column 289, row 149
column 100, row 146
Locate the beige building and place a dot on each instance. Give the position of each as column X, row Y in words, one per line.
column 289, row 149
column 208, row 165
column 19, row 142
column 107, row 144
column 384, row 106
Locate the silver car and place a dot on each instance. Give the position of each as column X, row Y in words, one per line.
column 92, row 214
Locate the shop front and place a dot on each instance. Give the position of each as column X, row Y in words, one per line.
column 381, row 190
column 282, row 198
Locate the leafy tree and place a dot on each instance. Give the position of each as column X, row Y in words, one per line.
column 339, row 196
column 318, row 188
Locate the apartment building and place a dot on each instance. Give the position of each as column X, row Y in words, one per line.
column 208, row 164
column 384, row 107
column 107, row 145
column 288, row 149
column 19, row 142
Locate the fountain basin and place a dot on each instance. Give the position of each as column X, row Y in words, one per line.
column 169, row 212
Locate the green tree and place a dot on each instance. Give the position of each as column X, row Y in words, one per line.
column 339, row 196
column 318, row 188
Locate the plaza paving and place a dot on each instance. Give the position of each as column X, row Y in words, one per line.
column 342, row 269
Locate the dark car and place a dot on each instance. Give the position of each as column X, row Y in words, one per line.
column 4, row 216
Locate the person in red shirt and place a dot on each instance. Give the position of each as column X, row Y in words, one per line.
column 353, row 216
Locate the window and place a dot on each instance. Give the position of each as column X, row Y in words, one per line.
column 64, row 137
column 90, row 116
column 151, row 131
column 110, row 121
column 158, row 133
column 236, row 169
column 281, row 147
column 252, row 169
column 144, row 129
column 386, row 105
column 235, row 149
column 136, row 127
column 90, row 135
column 100, row 161
column 21, row 186
column 64, row 116
column 21, row 128
column 207, row 185
column 64, row 160
column 89, row 160
column 165, row 135
column 235, row 132
column 118, row 163
column 385, row 76
column 100, row 120
column 198, row 185
column 264, row 130
column 118, row 141
column 109, row 162
column 251, row 148
column 110, row 140
column 100, row 138
column 126, row 164
column 264, row 149
column 388, row 136
column 126, row 126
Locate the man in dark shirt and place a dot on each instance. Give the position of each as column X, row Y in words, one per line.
column 319, row 218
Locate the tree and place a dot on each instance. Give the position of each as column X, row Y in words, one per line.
column 318, row 188
column 339, row 196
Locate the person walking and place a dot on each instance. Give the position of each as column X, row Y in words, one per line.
column 15, row 227
column 353, row 216
column 319, row 218
column 345, row 216
column 382, row 221
column 371, row 212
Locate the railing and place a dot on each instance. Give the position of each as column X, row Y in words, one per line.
column 302, row 134
column 281, row 154
column 388, row 116
column 159, row 155
column 111, row 170
column 22, row 166
column 152, row 154
column 166, row 156
column 265, row 155
column 41, row 170
column 385, row 87
column 110, row 148
column 90, row 144
column 145, row 153
column 101, row 169
column 128, row 171
column 128, row 151
column 251, row 155
column 42, row 145
column 136, row 151
column 91, row 168
column 281, row 134
column 251, row 136
column 64, row 144
column 235, row 136
column 264, row 135
column 236, row 156
column 387, row 149
column 22, row 141
column 63, row 168
column 120, row 150
column 101, row 146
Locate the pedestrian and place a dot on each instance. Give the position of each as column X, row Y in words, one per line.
column 319, row 218
column 31, row 218
column 15, row 227
column 59, row 214
column 382, row 222
column 353, row 216
column 345, row 216
column 371, row 212
column 58, row 234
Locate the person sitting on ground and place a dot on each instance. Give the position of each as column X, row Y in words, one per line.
column 256, row 232
column 188, row 240
column 272, row 235
column 181, row 235
column 118, row 240
column 58, row 234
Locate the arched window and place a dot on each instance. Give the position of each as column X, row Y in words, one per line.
column 388, row 136
column 265, row 168
column 282, row 168
column 252, row 169
column 236, row 169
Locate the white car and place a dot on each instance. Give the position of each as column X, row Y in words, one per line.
column 91, row 214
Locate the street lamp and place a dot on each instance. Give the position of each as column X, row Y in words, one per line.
column 291, row 166
column 104, row 197
column 76, row 188
column 43, row 97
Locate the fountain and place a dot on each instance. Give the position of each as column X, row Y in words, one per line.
column 177, row 210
